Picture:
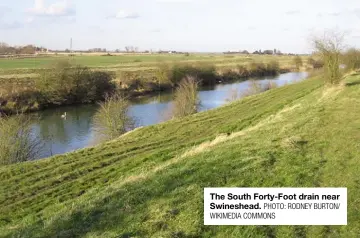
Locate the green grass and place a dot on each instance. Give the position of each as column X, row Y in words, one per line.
column 131, row 60
column 91, row 61
column 149, row 183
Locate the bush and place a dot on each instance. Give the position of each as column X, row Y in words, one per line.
column 329, row 47
column 351, row 59
column 316, row 64
column 273, row 67
column 163, row 75
column 64, row 84
column 111, row 119
column 257, row 69
column 233, row 95
column 298, row 62
column 186, row 100
column 256, row 87
column 242, row 71
column 261, row 69
column 19, row 144
column 206, row 74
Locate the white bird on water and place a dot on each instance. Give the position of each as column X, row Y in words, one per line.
column 63, row 116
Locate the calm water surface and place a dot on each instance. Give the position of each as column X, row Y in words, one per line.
column 61, row 136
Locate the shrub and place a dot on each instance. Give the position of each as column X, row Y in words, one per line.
column 186, row 100
column 111, row 119
column 242, row 71
column 229, row 75
column 329, row 47
column 163, row 75
column 316, row 64
column 298, row 62
column 257, row 69
column 261, row 69
column 17, row 144
column 206, row 74
column 64, row 84
column 256, row 87
column 233, row 95
column 273, row 67
column 351, row 59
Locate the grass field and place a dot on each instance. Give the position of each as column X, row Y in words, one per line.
column 9, row 68
column 149, row 183
column 118, row 60
column 92, row 61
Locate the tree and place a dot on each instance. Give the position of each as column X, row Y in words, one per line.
column 29, row 49
column 4, row 48
column 351, row 59
column 329, row 48
column 268, row 52
column 186, row 101
column 112, row 119
column 19, row 144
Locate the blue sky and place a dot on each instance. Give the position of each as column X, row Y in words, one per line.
column 184, row 25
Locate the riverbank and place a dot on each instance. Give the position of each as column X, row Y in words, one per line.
column 71, row 88
column 60, row 136
column 150, row 182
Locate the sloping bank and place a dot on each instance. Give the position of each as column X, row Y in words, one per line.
column 149, row 183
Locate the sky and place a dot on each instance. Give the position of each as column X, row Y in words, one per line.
column 182, row 25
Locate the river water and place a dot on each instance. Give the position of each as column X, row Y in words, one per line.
column 59, row 136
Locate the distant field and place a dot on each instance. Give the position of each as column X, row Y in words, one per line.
column 27, row 68
column 119, row 60
column 91, row 61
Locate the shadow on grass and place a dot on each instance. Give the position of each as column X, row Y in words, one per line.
column 115, row 212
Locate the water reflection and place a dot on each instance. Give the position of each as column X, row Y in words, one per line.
column 76, row 131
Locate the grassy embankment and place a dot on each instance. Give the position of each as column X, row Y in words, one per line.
column 134, row 74
column 149, row 183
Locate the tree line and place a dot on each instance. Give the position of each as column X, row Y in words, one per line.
column 6, row 49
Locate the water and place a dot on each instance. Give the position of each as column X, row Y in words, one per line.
column 60, row 136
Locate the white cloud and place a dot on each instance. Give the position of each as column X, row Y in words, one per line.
column 60, row 8
column 123, row 14
column 292, row 12
column 29, row 20
column 155, row 30
column 357, row 12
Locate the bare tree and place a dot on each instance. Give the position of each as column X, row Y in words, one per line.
column 186, row 101
column 112, row 119
column 17, row 142
column 329, row 47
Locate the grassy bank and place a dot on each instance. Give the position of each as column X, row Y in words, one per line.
column 149, row 182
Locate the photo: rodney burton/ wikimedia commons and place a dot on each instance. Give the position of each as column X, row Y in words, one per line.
column 179, row 118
